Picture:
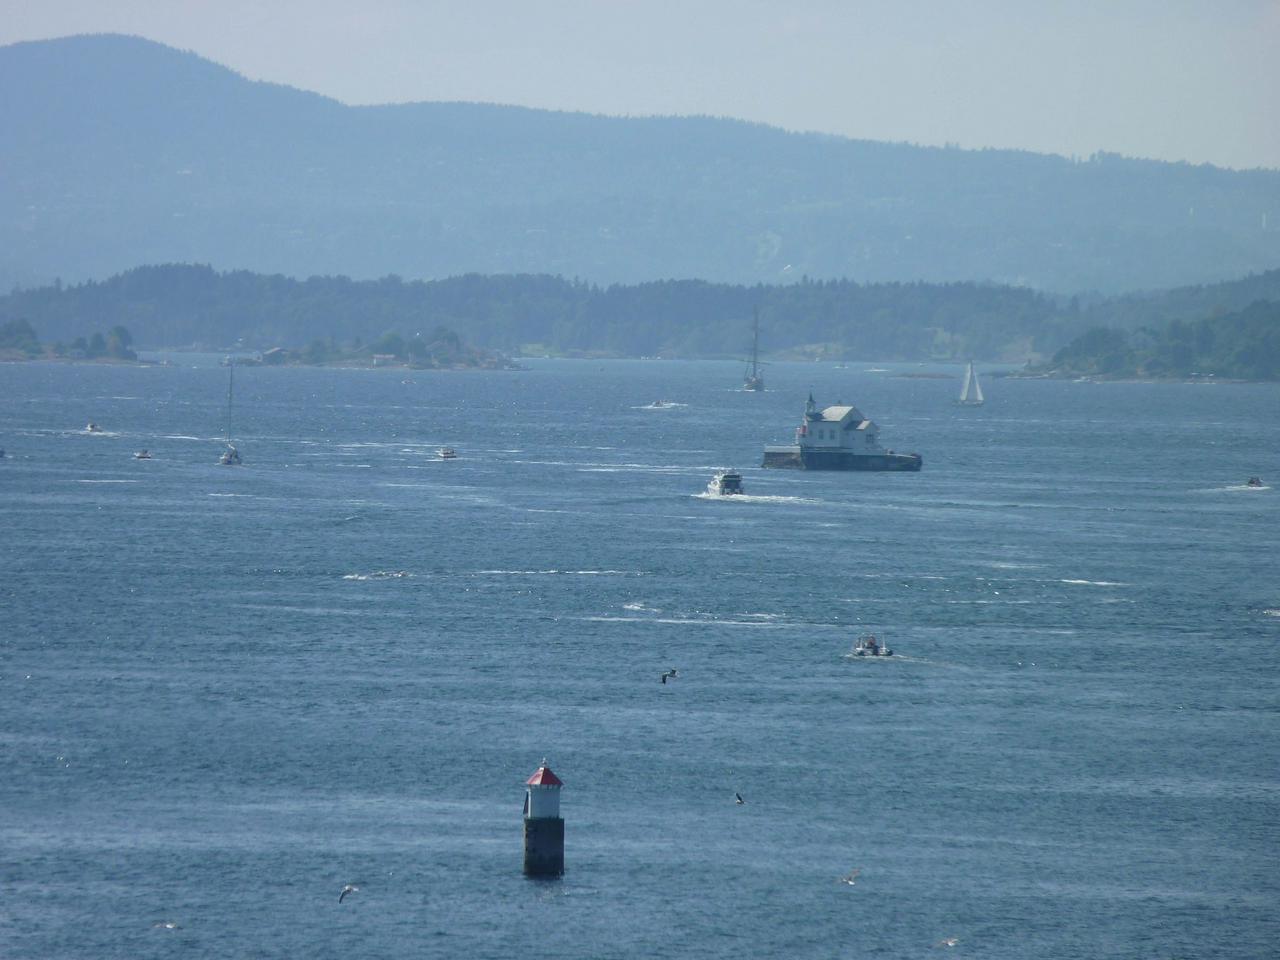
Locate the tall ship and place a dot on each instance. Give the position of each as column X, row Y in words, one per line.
column 754, row 378
column 838, row 438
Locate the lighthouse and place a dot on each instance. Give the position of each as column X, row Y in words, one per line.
column 543, row 828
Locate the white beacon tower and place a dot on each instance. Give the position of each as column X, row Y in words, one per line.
column 543, row 828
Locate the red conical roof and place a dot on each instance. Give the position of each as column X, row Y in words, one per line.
column 543, row 777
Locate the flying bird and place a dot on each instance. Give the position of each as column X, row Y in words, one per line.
column 947, row 942
column 349, row 888
column 738, row 798
column 671, row 674
column 851, row 877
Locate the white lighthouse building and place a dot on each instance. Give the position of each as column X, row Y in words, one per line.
column 543, row 827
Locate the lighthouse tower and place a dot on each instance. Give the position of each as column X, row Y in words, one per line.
column 543, row 828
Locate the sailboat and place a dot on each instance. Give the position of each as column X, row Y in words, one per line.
column 754, row 380
column 230, row 456
column 971, row 392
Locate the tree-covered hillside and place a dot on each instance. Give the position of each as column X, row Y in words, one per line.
column 118, row 151
column 1242, row 345
column 183, row 305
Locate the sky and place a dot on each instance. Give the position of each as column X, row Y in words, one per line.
column 1180, row 80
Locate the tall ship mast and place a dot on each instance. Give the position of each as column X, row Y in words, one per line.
column 754, row 379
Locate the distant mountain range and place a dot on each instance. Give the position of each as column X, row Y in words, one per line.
column 116, row 151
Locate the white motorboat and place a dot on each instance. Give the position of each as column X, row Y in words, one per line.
column 869, row 646
column 726, row 483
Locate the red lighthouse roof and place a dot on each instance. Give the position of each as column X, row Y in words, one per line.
column 543, row 777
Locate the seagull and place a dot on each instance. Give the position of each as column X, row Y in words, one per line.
column 349, row 888
column 739, row 799
column 851, row 877
column 164, row 925
column 947, row 942
column 671, row 674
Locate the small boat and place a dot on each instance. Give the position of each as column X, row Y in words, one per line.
column 142, row 455
column 971, row 392
column 230, row 456
column 1254, row 482
column 92, row 427
column 869, row 646
column 447, row 453
column 726, row 483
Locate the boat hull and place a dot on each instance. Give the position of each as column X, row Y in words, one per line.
column 796, row 458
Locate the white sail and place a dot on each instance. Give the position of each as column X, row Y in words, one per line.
column 968, row 377
column 977, row 386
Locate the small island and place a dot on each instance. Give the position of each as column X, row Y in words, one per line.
column 441, row 349
column 18, row 341
column 1244, row 345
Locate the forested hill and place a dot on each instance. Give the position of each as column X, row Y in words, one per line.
column 1244, row 345
column 182, row 305
column 118, row 151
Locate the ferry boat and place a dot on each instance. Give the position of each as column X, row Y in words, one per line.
column 726, row 483
column 838, row 438
column 869, row 646
column 447, row 453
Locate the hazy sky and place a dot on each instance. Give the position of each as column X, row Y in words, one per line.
column 1172, row 79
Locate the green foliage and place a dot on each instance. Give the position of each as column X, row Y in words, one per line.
column 18, row 334
column 1244, row 345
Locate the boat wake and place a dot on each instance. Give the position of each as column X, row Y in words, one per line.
column 378, row 575
column 1095, row 583
column 751, row 498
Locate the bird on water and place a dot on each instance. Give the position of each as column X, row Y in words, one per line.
column 851, row 877
column 349, row 888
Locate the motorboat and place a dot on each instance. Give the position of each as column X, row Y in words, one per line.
column 447, row 453
column 230, row 456
column 142, row 455
column 869, row 646
column 726, row 483
column 92, row 427
column 1254, row 482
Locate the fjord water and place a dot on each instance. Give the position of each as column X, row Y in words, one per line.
column 227, row 692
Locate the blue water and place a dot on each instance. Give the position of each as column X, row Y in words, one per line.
column 227, row 692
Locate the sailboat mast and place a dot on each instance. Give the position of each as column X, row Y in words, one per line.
column 755, row 342
column 231, row 379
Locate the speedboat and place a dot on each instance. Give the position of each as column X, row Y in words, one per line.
column 230, row 457
column 447, row 453
column 92, row 427
column 142, row 455
column 869, row 646
column 1254, row 482
column 726, row 483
